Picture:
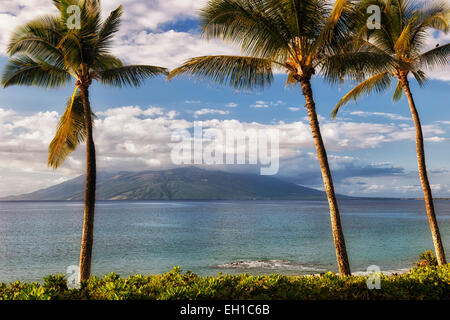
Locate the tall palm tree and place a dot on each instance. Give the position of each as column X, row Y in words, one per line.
column 296, row 36
column 47, row 52
column 400, row 43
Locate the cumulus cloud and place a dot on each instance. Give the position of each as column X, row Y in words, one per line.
column 168, row 49
column 136, row 138
column 16, row 12
column 355, row 178
column 143, row 39
column 206, row 111
column 391, row 116
column 304, row 170
column 139, row 15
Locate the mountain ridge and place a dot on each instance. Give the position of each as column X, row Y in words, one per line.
column 188, row 183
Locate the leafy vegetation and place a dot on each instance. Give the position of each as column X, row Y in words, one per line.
column 427, row 259
column 421, row 283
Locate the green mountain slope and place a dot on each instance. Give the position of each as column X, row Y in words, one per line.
column 177, row 184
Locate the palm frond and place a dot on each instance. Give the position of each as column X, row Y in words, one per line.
column 72, row 47
column 109, row 27
column 420, row 77
column 90, row 19
column 398, row 94
column 331, row 26
column 106, row 61
column 259, row 29
column 434, row 15
column 238, row 72
column 62, row 5
column 64, row 12
column 133, row 75
column 403, row 43
column 79, row 44
column 22, row 70
column 39, row 48
column 38, row 38
column 70, row 133
column 378, row 82
column 356, row 65
column 436, row 57
column 291, row 81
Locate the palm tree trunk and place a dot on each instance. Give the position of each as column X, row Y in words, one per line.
column 338, row 234
column 89, row 200
column 437, row 240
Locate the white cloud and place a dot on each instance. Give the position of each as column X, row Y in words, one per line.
column 205, row 111
column 168, row 49
column 231, row 105
column 265, row 105
column 135, row 138
column 293, row 109
column 391, row 116
column 260, row 105
column 151, row 15
column 141, row 39
column 436, row 139
column 123, row 113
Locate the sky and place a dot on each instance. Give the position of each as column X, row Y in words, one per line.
column 371, row 146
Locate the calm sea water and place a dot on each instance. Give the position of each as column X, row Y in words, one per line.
column 291, row 237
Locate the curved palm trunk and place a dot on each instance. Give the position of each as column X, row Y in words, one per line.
column 89, row 201
column 437, row 240
column 338, row 234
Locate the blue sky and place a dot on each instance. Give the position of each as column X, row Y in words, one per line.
column 371, row 145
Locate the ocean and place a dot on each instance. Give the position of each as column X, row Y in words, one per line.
column 208, row 237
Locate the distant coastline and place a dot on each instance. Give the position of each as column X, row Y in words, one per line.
column 212, row 200
column 422, row 199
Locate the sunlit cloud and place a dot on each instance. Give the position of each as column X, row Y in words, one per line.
column 135, row 138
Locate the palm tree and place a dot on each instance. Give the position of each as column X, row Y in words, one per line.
column 400, row 43
column 47, row 52
column 296, row 36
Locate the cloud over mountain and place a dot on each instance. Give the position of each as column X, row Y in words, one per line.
column 136, row 138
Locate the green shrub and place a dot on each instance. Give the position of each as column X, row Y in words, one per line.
column 421, row 283
column 427, row 259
